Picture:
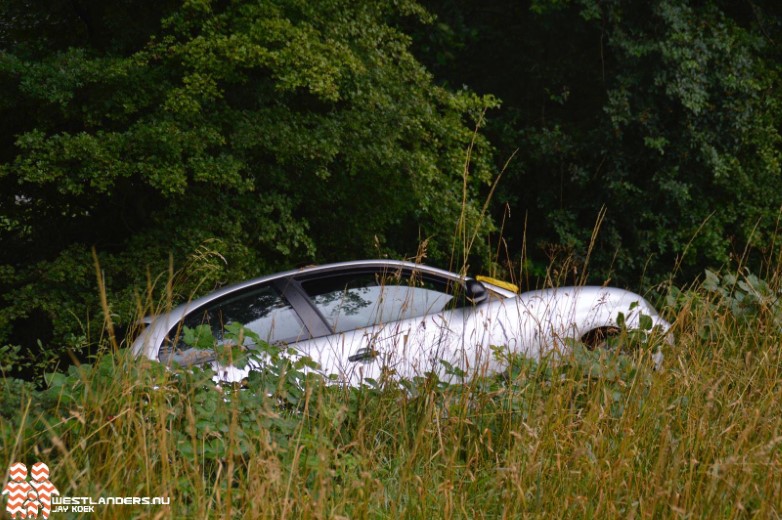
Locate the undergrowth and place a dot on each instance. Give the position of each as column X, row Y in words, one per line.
column 600, row 434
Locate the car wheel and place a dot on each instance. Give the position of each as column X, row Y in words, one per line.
column 598, row 338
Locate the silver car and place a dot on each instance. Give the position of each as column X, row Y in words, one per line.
column 364, row 319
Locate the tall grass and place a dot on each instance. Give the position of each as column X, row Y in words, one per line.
column 599, row 436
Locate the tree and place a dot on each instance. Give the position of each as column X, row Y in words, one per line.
column 665, row 113
column 273, row 132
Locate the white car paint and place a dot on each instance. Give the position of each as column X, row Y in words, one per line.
column 532, row 324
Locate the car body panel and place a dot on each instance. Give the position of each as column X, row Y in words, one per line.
column 531, row 324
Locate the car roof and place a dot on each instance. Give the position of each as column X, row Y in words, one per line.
column 165, row 320
column 320, row 269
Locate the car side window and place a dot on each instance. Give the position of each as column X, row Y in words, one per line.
column 262, row 310
column 352, row 301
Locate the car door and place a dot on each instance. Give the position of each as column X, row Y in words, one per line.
column 383, row 319
column 262, row 308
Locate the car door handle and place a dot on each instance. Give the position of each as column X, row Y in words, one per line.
column 364, row 354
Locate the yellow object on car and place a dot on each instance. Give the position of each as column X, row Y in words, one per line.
column 499, row 283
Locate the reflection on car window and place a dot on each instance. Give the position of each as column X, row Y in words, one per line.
column 261, row 310
column 360, row 300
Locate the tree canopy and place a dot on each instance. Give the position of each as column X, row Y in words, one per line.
column 233, row 138
column 267, row 133
column 665, row 115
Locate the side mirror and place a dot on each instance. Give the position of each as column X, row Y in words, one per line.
column 475, row 291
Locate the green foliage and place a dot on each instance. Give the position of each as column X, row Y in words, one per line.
column 645, row 337
column 747, row 297
column 665, row 114
column 593, row 433
column 223, row 140
column 289, row 132
column 742, row 301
